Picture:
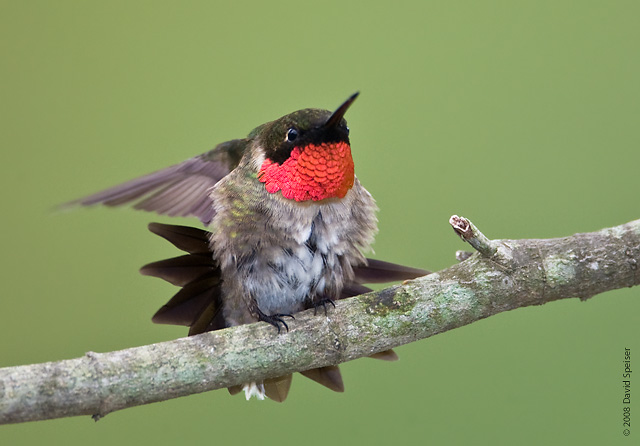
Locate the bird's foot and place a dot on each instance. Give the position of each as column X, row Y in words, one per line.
column 274, row 319
column 322, row 303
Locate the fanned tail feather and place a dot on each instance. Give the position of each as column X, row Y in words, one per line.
column 328, row 376
column 277, row 389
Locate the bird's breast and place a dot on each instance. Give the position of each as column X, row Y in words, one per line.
column 282, row 252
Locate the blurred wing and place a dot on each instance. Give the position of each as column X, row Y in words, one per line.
column 180, row 190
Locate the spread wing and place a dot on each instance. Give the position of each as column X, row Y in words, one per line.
column 180, row 190
column 199, row 276
column 198, row 303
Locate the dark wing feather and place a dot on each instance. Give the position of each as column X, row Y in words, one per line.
column 209, row 319
column 353, row 289
column 186, row 306
column 379, row 271
column 182, row 270
column 186, row 238
column 180, row 190
column 198, row 303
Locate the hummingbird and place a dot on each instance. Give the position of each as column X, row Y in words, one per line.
column 287, row 225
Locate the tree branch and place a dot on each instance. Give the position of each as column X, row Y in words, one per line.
column 502, row 275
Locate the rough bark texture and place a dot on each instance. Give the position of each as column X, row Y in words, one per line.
column 502, row 275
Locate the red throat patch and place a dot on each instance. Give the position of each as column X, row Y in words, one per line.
column 313, row 173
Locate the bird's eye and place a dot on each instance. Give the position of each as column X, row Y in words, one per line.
column 292, row 134
column 347, row 130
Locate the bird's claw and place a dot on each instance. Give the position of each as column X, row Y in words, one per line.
column 275, row 319
column 323, row 303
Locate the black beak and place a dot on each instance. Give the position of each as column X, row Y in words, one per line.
column 337, row 115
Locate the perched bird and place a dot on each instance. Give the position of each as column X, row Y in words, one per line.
column 288, row 223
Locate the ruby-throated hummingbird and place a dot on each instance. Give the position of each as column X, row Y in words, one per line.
column 288, row 222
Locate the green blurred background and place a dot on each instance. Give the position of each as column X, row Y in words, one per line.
column 522, row 116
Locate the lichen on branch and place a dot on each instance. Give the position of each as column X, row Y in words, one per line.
column 503, row 275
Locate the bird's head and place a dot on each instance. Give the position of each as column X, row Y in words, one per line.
column 306, row 155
